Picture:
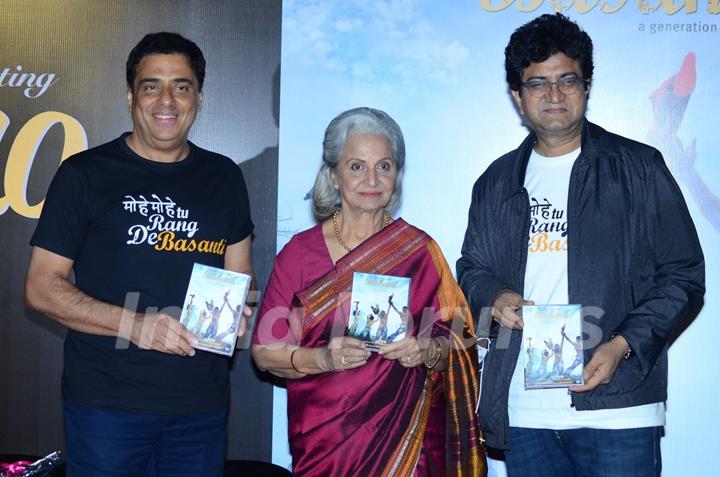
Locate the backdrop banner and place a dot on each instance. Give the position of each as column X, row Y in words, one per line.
column 62, row 90
column 437, row 68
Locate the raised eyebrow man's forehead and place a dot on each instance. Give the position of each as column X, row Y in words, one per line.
column 174, row 80
column 561, row 75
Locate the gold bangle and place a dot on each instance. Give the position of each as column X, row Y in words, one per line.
column 439, row 354
column 292, row 354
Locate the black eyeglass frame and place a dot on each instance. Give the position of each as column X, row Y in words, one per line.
column 567, row 85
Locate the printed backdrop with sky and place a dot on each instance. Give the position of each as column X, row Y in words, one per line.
column 437, row 68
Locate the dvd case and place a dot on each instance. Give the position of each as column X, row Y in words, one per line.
column 552, row 346
column 213, row 306
column 379, row 308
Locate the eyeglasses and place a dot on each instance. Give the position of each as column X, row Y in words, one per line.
column 567, row 85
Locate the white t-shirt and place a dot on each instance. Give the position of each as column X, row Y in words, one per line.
column 547, row 181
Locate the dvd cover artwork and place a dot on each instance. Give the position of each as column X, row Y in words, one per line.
column 552, row 346
column 213, row 307
column 379, row 308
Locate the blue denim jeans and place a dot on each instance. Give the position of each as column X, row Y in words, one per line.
column 584, row 452
column 113, row 443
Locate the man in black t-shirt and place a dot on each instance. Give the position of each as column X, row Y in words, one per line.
column 129, row 219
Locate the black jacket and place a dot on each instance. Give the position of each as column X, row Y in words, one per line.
column 633, row 253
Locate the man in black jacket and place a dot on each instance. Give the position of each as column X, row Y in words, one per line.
column 577, row 215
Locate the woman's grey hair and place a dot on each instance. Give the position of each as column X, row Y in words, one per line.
column 326, row 199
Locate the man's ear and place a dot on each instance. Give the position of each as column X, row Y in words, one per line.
column 518, row 101
column 129, row 97
column 201, row 101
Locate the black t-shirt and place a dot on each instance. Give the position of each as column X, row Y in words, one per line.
column 134, row 228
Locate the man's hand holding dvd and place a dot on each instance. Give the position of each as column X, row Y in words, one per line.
column 552, row 346
column 213, row 308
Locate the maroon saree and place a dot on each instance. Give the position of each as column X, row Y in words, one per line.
column 382, row 418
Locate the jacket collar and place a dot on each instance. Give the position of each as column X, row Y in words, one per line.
column 587, row 149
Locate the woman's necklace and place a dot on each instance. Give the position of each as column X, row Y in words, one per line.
column 337, row 229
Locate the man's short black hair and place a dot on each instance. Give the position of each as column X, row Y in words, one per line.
column 165, row 43
column 543, row 37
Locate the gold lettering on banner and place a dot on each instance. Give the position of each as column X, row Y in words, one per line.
column 488, row 5
column 4, row 123
column 22, row 156
column 670, row 7
column 606, row 8
column 646, row 7
column 583, row 6
column 690, row 6
column 531, row 6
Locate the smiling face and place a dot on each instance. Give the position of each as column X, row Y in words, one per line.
column 164, row 102
column 366, row 173
column 556, row 118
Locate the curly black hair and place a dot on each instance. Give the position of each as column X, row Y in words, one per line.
column 538, row 40
column 165, row 43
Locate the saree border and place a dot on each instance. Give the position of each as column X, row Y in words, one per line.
column 378, row 254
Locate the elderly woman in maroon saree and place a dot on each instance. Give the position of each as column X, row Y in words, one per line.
column 408, row 409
